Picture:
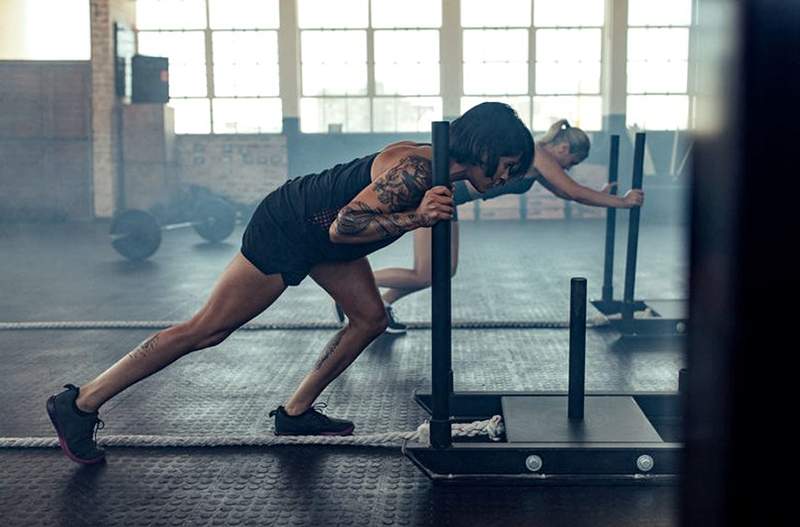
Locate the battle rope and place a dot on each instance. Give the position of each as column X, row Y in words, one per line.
column 493, row 428
column 261, row 326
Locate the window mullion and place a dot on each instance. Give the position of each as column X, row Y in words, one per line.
column 691, row 88
column 209, row 65
column 615, row 63
column 289, row 59
column 371, row 70
column 531, row 66
column 451, row 57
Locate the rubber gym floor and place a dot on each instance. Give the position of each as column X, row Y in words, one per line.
column 507, row 271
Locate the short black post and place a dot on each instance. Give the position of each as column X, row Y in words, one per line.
column 611, row 224
column 442, row 375
column 633, row 237
column 577, row 348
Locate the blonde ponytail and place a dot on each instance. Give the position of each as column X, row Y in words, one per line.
column 562, row 132
column 555, row 132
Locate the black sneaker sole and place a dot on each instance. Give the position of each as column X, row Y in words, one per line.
column 51, row 412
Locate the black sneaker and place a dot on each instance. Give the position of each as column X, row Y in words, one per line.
column 395, row 326
column 312, row 422
column 338, row 312
column 76, row 430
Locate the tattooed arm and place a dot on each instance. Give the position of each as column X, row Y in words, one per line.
column 358, row 222
column 398, row 201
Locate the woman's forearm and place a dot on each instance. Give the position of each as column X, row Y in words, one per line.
column 594, row 198
column 360, row 223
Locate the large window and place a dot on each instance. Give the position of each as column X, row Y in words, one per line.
column 496, row 54
column 369, row 65
column 564, row 78
column 223, row 60
column 658, row 64
column 364, row 66
column 569, row 37
column 45, row 30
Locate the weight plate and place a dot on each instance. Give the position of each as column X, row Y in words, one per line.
column 135, row 234
column 214, row 219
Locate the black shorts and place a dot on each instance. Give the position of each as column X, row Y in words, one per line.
column 269, row 244
column 277, row 245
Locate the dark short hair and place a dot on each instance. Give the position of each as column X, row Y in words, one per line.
column 487, row 132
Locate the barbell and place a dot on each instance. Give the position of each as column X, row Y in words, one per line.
column 136, row 234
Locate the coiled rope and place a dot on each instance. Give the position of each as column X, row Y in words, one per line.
column 493, row 428
column 261, row 326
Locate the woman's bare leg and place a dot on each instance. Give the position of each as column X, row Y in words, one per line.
column 401, row 282
column 241, row 293
column 352, row 286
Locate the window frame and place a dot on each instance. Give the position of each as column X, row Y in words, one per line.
column 531, row 95
column 613, row 89
column 687, row 94
column 211, row 96
column 371, row 94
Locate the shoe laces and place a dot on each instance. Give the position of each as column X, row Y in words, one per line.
column 318, row 412
column 98, row 425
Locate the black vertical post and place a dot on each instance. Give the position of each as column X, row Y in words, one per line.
column 633, row 236
column 577, row 348
column 441, row 377
column 611, row 223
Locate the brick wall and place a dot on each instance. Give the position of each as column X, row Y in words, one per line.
column 105, row 104
column 504, row 207
column 45, row 141
column 149, row 171
column 592, row 176
column 243, row 168
column 542, row 205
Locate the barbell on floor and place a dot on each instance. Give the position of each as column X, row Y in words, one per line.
column 136, row 234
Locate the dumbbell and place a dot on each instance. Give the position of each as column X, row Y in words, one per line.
column 136, row 234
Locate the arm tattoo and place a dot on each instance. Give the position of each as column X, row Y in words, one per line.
column 395, row 224
column 144, row 349
column 354, row 218
column 357, row 217
column 330, row 347
column 404, row 185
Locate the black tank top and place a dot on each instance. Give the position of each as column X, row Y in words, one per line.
column 306, row 206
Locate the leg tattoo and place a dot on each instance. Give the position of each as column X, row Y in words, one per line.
column 144, row 349
column 330, row 347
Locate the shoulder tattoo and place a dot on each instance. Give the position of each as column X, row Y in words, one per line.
column 404, row 185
